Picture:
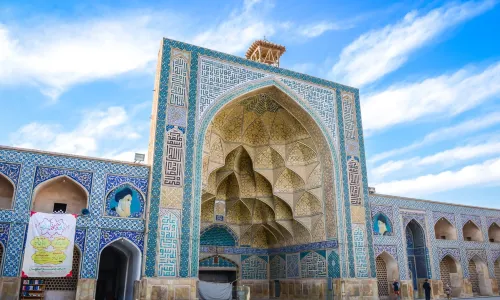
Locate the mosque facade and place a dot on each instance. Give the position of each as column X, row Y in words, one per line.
column 256, row 176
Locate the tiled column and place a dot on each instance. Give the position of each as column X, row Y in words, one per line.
column 168, row 247
column 359, row 239
column 361, row 263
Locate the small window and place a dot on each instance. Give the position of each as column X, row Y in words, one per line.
column 492, row 240
column 443, row 237
column 60, row 207
column 468, row 238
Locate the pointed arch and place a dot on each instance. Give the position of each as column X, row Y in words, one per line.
column 320, row 142
column 451, row 274
column 472, row 232
column 479, row 276
column 444, row 230
column 218, row 235
column 382, row 225
column 7, row 192
column 122, row 258
column 60, row 189
column 418, row 263
column 387, row 270
column 494, row 233
column 137, row 200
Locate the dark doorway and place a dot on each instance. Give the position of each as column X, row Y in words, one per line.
column 119, row 268
column 218, row 276
column 112, row 270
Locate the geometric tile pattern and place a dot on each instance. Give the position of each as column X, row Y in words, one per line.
column 389, row 249
column 218, row 235
column 114, row 181
column 333, row 265
column 360, row 253
column 11, row 171
column 168, row 245
column 80, row 234
column 313, row 264
column 91, row 174
column 44, row 173
column 431, row 212
column 277, row 266
column 253, row 267
column 4, row 233
column 292, row 266
column 321, row 99
column 109, row 236
column 222, row 263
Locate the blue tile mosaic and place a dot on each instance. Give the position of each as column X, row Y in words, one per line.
column 28, row 169
column 222, row 263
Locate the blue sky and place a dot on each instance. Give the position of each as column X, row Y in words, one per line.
column 77, row 77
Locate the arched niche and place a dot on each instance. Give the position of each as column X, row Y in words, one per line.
column 444, row 230
column 382, row 225
column 451, row 274
column 479, row 277
column 418, row 264
column 218, row 235
column 119, row 268
column 472, row 232
column 124, row 201
column 387, row 272
column 62, row 190
column 494, row 233
column 6, row 192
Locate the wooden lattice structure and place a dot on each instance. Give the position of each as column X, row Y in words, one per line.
column 265, row 52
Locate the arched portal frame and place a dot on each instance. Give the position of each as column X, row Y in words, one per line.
column 133, row 264
column 243, row 90
column 417, row 252
column 47, row 182
column 7, row 192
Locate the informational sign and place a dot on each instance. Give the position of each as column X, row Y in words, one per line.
column 49, row 245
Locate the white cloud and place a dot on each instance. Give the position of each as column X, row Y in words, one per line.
column 447, row 95
column 444, row 134
column 485, row 173
column 95, row 128
column 447, row 157
column 382, row 51
column 60, row 54
column 238, row 31
column 317, row 29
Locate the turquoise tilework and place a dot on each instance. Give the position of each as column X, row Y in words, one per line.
column 430, row 213
column 36, row 168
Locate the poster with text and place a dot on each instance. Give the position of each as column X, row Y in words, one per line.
column 49, row 245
